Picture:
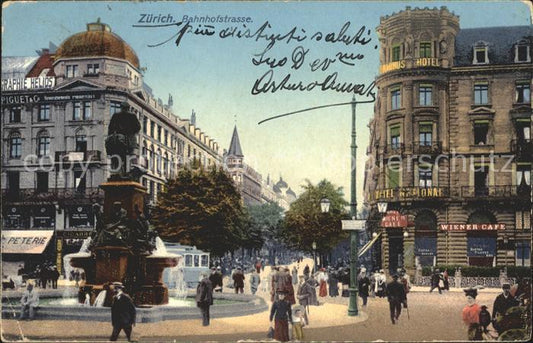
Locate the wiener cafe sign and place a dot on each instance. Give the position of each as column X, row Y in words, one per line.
column 394, row 219
column 25, row 241
column 471, row 227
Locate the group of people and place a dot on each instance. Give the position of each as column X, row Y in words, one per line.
column 440, row 281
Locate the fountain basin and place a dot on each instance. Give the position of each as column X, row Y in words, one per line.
column 226, row 305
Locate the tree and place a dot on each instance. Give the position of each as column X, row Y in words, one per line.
column 266, row 220
column 201, row 208
column 305, row 223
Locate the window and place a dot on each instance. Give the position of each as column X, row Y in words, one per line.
column 42, row 182
column 93, row 69
column 152, row 129
column 395, row 53
column 165, row 164
column 81, row 143
column 481, row 180
column 114, row 107
column 523, row 253
column 395, row 137
column 145, row 125
column 82, row 110
column 481, row 53
column 393, row 177
column 152, row 191
column 72, row 71
column 425, row 49
column 188, row 260
column 14, row 114
column 522, row 52
column 13, row 181
column 79, row 181
column 188, row 151
column 151, row 160
column 481, row 91
column 165, row 138
column 15, row 145
column 523, row 92
column 481, row 130
column 197, row 260
column 395, row 98
column 43, row 145
column 158, row 162
column 159, row 133
column 425, row 133
column 425, row 176
column 523, row 177
column 204, row 261
column 425, row 92
column 523, row 129
column 44, row 112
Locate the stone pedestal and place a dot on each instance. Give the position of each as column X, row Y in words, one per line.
column 131, row 194
column 111, row 264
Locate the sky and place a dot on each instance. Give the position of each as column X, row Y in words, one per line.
column 215, row 76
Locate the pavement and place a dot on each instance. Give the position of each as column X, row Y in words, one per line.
column 433, row 316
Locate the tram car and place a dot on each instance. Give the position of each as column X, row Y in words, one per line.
column 195, row 261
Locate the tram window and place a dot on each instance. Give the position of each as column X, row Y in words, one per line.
column 204, row 260
column 188, row 260
column 197, row 260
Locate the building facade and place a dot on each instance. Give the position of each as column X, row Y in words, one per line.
column 55, row 112
column 450, row 150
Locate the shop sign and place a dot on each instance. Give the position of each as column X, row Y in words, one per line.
column 44, row 216
column 356, row 224
column 28, row 83
column 394, row 219
column 76, row 234
column 14, row 217
column 80, row 216
column 481, row 246
column 25, row 241
column 407, row 193
column 472, row 227
column 47, row 98
column 425, row 246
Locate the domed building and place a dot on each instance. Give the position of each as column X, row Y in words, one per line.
column 61, row 116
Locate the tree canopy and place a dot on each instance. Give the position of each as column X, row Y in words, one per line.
column 201, row 208
column 305, row 223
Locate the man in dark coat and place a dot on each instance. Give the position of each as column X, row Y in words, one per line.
column 396, row 296
column 364, row 286
column 435, row 279
column 216, row 279
column 238, row 280
column 502, row 303
column 122, row 312
column 204, row 297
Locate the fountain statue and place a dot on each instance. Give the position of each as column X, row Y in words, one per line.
column 122, row 242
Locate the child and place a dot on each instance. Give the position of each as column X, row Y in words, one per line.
column 298, row 322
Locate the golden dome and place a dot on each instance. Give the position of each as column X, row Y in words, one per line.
column 98, row 40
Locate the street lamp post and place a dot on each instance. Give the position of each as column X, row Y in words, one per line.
column 314, row 257
column 354, row 234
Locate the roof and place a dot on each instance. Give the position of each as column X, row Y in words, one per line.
column 17, row 67
column 235, row 145
column 500, row 41
column 98, row 40
column 281, row 183
column 291, row 192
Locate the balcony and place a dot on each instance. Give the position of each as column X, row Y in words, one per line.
column 51, row 195
column 523, row 149
column 78, row 156
column 495, row 192
column 427, row 148
column 394, row 149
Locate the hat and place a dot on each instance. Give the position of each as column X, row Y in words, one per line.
column 117, row 284
column 506, row 285
column 218, row 268
column 470, row 292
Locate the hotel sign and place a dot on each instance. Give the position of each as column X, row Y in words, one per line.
column 417, row 63
column 410, row 193
column 471, row 227
column 28, row 83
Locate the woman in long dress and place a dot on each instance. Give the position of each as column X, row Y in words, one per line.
column 322, row 281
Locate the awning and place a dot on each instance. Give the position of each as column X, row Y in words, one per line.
column 367, row 246
column 25, row 241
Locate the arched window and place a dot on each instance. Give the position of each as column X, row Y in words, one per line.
column 43, row 143
column 481, row 244
column 425, row 237
column 15, row 145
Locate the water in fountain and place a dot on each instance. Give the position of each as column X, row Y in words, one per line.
column 99, row 301
column 70, row 292
column 174, row 277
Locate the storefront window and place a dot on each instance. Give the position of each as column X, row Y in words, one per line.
column 481, row 244
column 425, row 238
column 523, row 253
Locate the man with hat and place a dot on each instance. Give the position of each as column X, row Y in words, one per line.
column 238, row 280
column 471, row 315
column 122, row 312
column 216, row 279
column 395, row 296
column 280, row 316
column 204, row 297
column 502, row 303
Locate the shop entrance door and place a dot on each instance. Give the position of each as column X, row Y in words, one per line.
column 395, row 250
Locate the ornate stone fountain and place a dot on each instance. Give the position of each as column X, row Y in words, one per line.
column 123, row 243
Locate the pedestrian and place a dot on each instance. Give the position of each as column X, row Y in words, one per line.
column 313, row 284
column 258, row 266
column 364, row 286
column 28, row 302
column 322, row 281
column 123, row 313
column 435, row 280
column 445, row 279
column 43, row 276
column 287, row 286
column 204, row 297
column 281, row 316
column 298, row 322
column 381, row 285
column 304, row 295
column 55, row 277
column 471, row 315
column 306, row 271
column 396, row 297
column 502, row 303
column 333, row 283
column 274, row 282
column 255, row 280
column 238, row 281
column 405, row 280
column 294, row 275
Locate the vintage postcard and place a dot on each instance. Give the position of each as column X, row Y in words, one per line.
column 266, row 171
